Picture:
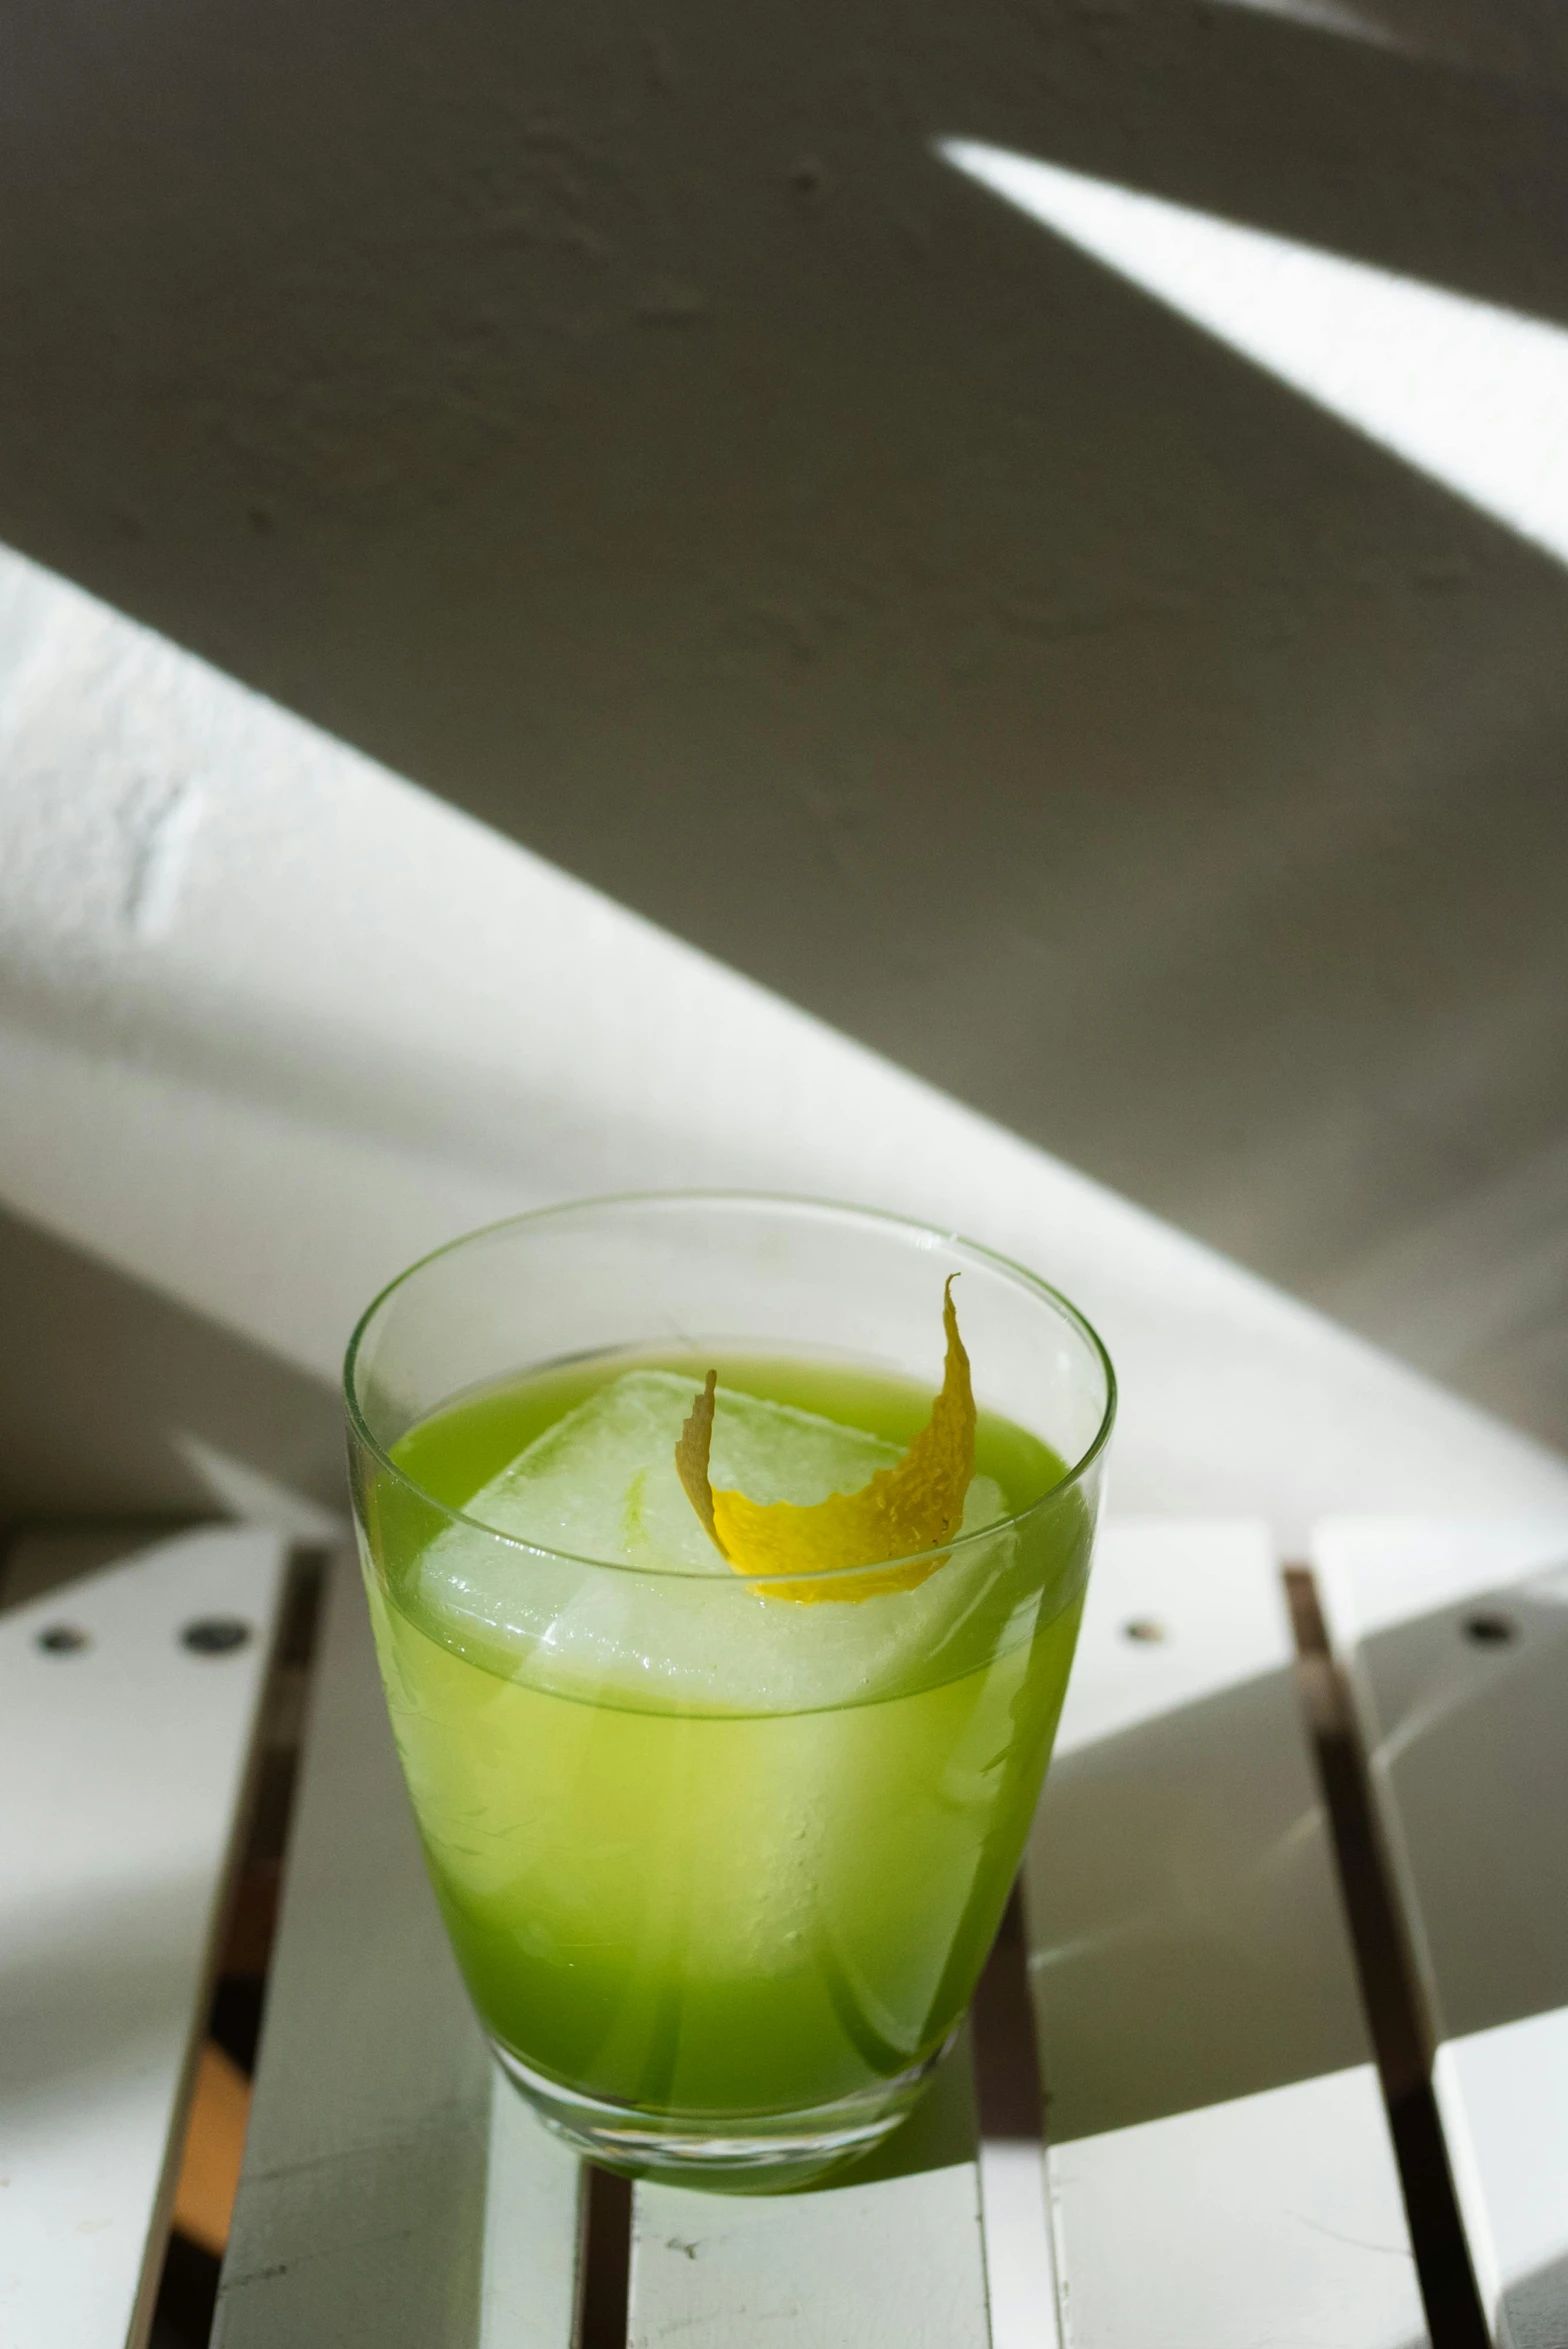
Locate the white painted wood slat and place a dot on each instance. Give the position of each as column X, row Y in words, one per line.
column 1219, row 2162
column 394, row 2195
column 124, row 1759
column 1454, row 1639
column 892, row 2259
column 894, row 2264
column 533, row 2210
column 1020, row 2270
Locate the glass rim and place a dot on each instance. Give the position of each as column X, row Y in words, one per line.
column 910, row 1225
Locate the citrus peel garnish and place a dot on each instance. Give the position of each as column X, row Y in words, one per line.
column 918, row 1505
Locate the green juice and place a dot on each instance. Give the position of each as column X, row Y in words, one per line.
column 702, row 1852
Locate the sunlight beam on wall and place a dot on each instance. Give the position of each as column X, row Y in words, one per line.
column 1324, row 16
column 1472, row 395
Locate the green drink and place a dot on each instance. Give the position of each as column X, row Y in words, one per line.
column 720, row 1870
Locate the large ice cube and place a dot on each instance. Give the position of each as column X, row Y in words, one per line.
column 662, row 1619
column 601, row 1483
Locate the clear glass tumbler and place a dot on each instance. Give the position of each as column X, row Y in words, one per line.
column 720, row 1871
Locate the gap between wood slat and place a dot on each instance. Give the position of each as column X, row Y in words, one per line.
column 1019, row 2260
column 604, row 2268
column 1007, row 2070
column 1448, row 2286
column 213, row 2141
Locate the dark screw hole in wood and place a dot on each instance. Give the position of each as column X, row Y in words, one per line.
column 215, row 1635
column 1489, row 1630
column 63, row 1639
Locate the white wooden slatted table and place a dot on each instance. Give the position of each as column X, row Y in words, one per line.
column 1454, row 1640
column 1220, row 2171
column 1216, row 2168
column 128, row 1710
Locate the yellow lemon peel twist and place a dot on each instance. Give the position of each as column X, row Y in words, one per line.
column 916, row 1506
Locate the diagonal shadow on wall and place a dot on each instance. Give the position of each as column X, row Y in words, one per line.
column 102, row 1378
column 643, row 441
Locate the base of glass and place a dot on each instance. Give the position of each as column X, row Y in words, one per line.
column 730, row 2153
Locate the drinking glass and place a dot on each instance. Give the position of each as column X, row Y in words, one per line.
column 720, row 1872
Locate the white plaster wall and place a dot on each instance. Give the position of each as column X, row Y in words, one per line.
column 275, row 1022
column 633, row 432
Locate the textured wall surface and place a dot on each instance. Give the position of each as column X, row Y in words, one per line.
column 623, row 423
column 273, row 1023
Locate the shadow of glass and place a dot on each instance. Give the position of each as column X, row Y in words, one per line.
column 938, row 2133
column 1188, row 1940
column 1474, row 1743
column 93, row 1993
column 1535, row 2309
